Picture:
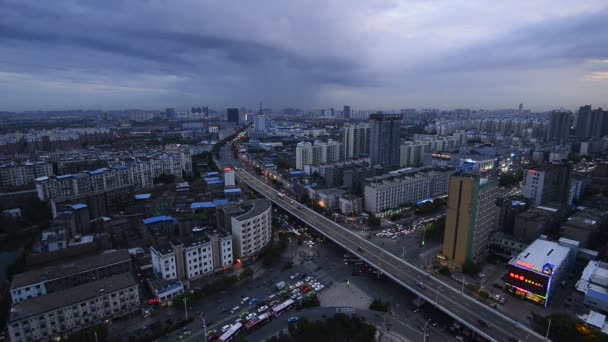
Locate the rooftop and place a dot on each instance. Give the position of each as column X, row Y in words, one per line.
column 70, row 296
column 164, row 248
column 596, row 273
column 156, row 219
column 541, row 253
column 142, row 196
column 66, row 269
column 78, row 206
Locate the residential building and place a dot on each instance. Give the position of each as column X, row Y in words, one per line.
column 250, row 224
column 584, row 226
column 589, row 122
column 346, row 112
column 470, row 220
column 50, row 279
column 594, row 284
column 317, row 153
column 401, row 187
column 164, row 261
column 16, row 174
column 559, row 127
column 261, row 123
column 536, row 271
column 229, row 177
column 350, row 204
column 233, row 115
column 71, row 309
column 355, row 141
column 385, row 139
column 530, row 224
column 548, row 183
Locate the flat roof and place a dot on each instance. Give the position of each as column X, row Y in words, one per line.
column 156, row 219
column 539, row 253
column 232, row 191
column 66, row 269
column 143, row 196
column 259, row 206
column 71, row 296
column 78, row 206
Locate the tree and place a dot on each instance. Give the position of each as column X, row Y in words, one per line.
column 246, row 273
column 471, row 268
column 164, row 179
column 379, row 305
column 374, row 222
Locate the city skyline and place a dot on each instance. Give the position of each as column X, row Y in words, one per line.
column 389, row 54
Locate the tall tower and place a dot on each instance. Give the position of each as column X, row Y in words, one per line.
column 559, row 127
column 233, row 115
column 589, row 123
column 384, row 139
column 355, row 141
column 470, row 219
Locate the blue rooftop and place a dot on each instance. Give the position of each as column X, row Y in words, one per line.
column 215, row 182
column 209, row 174
column 207, row 179
column 199, row 205
column 232, row 191
column 142, row 196
column 78, row 206
column 297, row 173
column 157, row 219
column 220, row 201
column 98, row 171
column 120, row 167
column 64, row 176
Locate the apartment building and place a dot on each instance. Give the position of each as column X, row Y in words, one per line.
column 355, row 141
column 54, row 278
column 72, row 309
column 317, row 153
column 15, row 174
column 192, row 258
column 402, row 187
column 412, row 152
column 548, row 183
column 250, row 224
column 470, row 220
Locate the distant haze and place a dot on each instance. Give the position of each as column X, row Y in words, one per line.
column 112, row 54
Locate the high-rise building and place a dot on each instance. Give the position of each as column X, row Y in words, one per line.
column 317, row 153
column 261, row 123
column 470, row 219
column 548, row 183
column 521, row 108
column 233, row 115
column 346, row 112
column 384, row 140
column 559, row 127
column 355, row 141
column 589, row 122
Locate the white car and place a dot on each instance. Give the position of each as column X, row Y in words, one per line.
column 299, row 283
column 250, row 316
column 226, row 327
column 262, row 309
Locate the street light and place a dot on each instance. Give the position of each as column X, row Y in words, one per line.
column 437, row 293
column 204, row 327
column 548, row 329
column 425, row 326
column 186, row 307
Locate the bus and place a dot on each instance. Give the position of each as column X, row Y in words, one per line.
column 231, row 333
column 285, row 306
column 257, row 322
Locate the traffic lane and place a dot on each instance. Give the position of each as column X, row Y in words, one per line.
column 323, row 222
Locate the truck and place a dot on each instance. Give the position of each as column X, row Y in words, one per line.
column 280, row 285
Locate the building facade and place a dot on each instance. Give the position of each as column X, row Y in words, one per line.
column 54, row 315
column 385, row 139
column 250, row 224
column 470, row 220
column 548, row 183
column 355, row 141
column 317, row 153
column 559, row 127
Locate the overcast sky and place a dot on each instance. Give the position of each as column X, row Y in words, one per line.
column 114, row 54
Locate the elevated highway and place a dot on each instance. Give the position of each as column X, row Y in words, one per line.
column 482, row 319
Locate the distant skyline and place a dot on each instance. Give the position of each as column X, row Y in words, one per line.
column 117, row 54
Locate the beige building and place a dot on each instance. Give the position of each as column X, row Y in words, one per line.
column 470, row 219
column 63, row 312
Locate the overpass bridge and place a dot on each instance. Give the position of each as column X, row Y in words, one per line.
column 482, row 319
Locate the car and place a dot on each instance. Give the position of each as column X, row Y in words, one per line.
column 482, row 323
column 235, row 309
column 244, row 300
column 421, row 285
column 185, row 335
column 253, row 301
column 226, row 328
column 262, row 309
column 300, row 283
column 294, row 276
column 250, row 316
column 292, row 320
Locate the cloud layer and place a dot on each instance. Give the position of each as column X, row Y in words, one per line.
column 370, row 54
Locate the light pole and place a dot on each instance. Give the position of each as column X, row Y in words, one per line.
column 437, row 293
column 204, row 328
column 548, row 329
column 425, row 326
column 186, row 307
column 402, row 253
column 462, row 290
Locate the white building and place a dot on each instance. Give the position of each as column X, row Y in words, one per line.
column 317, row 153
column 229, row 179
column 406, row 186
column 20, row 174
column 164, row 261
column 251, row 225
column 261, row 123
column 355, row 141
column 54, row 315
column 594, row 284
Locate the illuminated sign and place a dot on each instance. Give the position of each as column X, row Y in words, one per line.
column 227, row 169
column 548, row 268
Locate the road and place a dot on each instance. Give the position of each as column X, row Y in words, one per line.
column 489, row 323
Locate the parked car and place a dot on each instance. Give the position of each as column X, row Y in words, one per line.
column 292, row 320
